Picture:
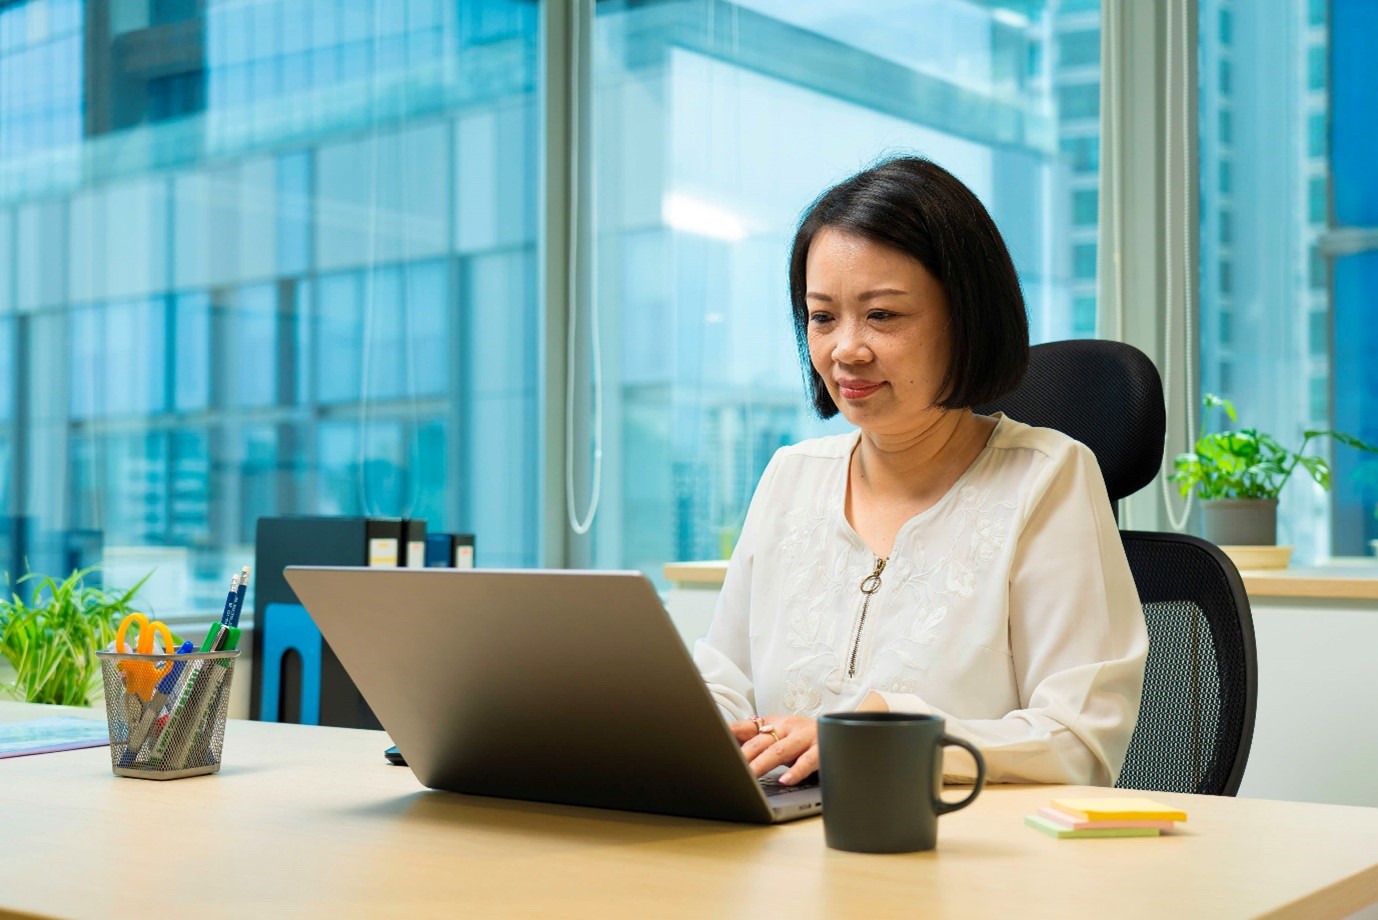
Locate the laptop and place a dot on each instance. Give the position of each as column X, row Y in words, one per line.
column 552, row 686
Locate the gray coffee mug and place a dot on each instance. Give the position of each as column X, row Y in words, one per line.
column 881, row 773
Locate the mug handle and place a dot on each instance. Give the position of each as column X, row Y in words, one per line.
column 942, row 808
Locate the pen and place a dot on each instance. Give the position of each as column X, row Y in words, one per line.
column 228, row 617
column 138, row 733
column 239, row 596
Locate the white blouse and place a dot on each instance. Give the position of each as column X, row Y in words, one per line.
column 1007, row 608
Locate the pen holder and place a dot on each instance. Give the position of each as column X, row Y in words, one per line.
column 166, row 712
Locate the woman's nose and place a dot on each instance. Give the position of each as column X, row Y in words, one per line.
column 850, row 346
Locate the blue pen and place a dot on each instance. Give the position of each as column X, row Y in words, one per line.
column 137, row 733
column 229, row 616
column 239, row 597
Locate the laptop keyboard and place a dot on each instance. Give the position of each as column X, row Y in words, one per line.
column 771, row 785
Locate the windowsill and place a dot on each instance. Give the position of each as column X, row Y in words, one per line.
column 1348, row 578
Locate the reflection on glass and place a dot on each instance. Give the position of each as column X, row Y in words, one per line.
column 255, row 274
column 1281, row 334
column 715, row 124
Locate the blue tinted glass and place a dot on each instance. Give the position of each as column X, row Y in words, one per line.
column 339, row 334
column 190, row 511
column 191, row 358
column 689, row 251
column 294, row 213
column 7, row 381
column 248, row 346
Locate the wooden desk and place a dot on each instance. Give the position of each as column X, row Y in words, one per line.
column 312, row 821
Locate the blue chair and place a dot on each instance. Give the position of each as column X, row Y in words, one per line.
column 289, row 628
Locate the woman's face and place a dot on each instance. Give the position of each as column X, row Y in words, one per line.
column 877, row 332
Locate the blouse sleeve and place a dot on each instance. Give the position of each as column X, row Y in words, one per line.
column 1077, row 640
column 723, row 657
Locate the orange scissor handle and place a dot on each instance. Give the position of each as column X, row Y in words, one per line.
column 148, row 634
column 141, row 677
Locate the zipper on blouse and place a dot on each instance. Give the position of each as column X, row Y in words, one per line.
column 869, row 585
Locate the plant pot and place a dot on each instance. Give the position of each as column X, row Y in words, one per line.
column 1241, row 521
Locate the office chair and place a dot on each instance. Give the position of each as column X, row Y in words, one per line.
column 1196, row 721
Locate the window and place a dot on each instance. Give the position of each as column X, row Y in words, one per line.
column 1316, row 61
column 1079, row 49
column 1315, row 135
column 708, row 383
column 1079, row 101
column 1226, row 228
column 1084, row 261
column 1318, row 333
column 1082, row 153
column 1317, row 274
column 1299, row 351
column 1226, row 25
column 1316, row 200
column 297, row 268
column 1084, row 204
column 1224, row 77
column 1226, row 127
column 1226, row 277
column 300, row 278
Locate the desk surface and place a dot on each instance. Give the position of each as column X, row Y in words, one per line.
column 312, row 821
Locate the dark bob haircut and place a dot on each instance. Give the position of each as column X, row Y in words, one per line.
column 920, row 209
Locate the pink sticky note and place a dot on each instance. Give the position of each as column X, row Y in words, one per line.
column 1066, row 820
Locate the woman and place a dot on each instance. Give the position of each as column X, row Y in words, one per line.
column 934, row 560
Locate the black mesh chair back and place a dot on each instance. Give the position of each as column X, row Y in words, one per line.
column 1196, row 720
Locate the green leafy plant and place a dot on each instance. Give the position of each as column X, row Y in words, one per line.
column 51, row 639
column 1247, row 463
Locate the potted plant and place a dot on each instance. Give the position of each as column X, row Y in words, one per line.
column 51, row 639
column 1238, row 475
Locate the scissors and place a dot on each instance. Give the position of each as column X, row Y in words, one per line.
column 142, row 677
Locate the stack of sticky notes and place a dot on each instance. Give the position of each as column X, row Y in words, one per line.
column 1128, row 817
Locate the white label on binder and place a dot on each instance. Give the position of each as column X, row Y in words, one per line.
column 382, row 552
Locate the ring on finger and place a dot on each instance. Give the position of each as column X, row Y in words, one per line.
column 768, row 729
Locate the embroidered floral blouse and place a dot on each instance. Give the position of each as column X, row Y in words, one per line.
column 1007, row 608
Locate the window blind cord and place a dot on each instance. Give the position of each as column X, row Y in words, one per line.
column 1111, row 218
column 1113, row 222
column 580, row 524
column 408, row 332
column 1176, row 211
column 366, row 347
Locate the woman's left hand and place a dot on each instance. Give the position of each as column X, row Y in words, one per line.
column 797, row 746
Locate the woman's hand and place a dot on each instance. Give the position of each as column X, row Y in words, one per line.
column 797, row 745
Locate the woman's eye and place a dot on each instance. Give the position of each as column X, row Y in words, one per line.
column 819, row 318
column 876, row 315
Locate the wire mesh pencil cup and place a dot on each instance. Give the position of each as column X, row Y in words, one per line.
column 166, row 712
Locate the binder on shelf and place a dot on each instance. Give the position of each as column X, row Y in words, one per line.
column 413, row 542
column 464, row 551
column 439, row 550
column 384, row 542
column 450, row 550
column 284, row 541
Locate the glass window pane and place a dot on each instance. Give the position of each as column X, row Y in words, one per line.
column 696, row 205
column 188, row 249
column 1297, row 351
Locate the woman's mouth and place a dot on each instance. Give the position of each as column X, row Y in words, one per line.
column 857, row 389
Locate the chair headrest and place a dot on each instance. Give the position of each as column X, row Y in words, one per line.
column 1107, row 395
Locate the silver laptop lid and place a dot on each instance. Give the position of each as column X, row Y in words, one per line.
column 555, row 686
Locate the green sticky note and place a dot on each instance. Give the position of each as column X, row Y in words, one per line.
column 1053, row 829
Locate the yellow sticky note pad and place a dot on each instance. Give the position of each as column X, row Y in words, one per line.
column 1118, row 809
